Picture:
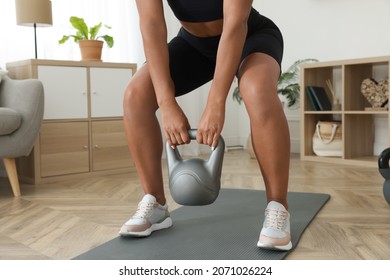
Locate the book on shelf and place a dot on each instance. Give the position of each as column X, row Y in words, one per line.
column 320, row 98
column 311, row 99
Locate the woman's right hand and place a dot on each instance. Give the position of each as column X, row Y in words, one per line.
column 175, row 124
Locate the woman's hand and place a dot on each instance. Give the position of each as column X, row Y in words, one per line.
column 175, row 124
column 211, row 124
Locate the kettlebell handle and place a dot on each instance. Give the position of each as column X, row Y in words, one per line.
column 174, row 156
column 192, row 133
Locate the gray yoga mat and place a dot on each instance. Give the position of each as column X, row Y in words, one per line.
column 228, row 229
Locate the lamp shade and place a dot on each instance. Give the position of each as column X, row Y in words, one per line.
column 33, row 12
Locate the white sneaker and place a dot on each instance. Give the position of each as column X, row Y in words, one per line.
column 275, row 234
column 150, row 216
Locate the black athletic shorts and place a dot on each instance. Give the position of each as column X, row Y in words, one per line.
column 192, row 59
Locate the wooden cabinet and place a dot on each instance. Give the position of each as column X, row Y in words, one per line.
column 358, row 122
column 109, row 146
column 107, row 87
column 66, row 91
column 82, row 132
column 64, row 148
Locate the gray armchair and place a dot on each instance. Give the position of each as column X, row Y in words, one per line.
column 21, row 114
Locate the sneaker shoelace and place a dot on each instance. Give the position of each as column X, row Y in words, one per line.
column 143, row 210
column 275, row 218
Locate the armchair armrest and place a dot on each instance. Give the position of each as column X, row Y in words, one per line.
column 27, row 98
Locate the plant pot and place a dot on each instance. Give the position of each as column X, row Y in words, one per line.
column 91, row 50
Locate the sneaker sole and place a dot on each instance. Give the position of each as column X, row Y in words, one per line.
column 269, row 246
column 164, row 224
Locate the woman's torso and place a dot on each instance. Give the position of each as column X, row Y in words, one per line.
column 204, row 18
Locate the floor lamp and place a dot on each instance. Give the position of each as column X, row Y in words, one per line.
column 34, row 13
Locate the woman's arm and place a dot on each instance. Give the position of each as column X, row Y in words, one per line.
column 232, row 40
column 236, row 13
column 154, row 35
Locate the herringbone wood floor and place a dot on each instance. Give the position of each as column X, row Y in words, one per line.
column 64, row 219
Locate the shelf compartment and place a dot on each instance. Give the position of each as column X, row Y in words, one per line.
column 310, row 122
column 355, row 74
column 358, row 133
column 318, row 77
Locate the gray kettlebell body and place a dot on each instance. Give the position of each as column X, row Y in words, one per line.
column 384, row 170
column 195, row 181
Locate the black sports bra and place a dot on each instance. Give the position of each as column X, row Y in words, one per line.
column 197, row 10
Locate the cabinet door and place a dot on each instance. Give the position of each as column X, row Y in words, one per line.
column 64, row 148
column 107, row 89
column 110, row 149
column 65, row 91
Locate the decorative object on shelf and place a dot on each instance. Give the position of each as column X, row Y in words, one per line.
column 88, row 39
column 336, row 106
column 34, row 13
column 376, row 93
column 327, row 139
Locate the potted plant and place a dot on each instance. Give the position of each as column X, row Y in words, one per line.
column 288, row 86
column 88, row 39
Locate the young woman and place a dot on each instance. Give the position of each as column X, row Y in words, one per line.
column 218, row 40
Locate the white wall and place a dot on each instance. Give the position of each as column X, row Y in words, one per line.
column 330, row 29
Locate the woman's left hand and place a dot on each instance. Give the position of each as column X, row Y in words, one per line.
column 210, row 125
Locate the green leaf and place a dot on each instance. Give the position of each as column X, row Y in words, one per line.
column 80, row 25
column 64, row 39
column 93, row 31
column 237, row 96
column 285, row 77
column 108, row 39
column 291, row 92
column 67, row 37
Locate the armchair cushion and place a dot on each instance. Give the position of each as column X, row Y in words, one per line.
column 10, row 120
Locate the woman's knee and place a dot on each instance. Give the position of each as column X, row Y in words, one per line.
column 261, row 101
column 139, row 96
column 258, row 89
column 258, row 86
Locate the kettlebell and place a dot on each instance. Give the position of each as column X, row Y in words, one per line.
column 195, row 181
column 383, row 163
